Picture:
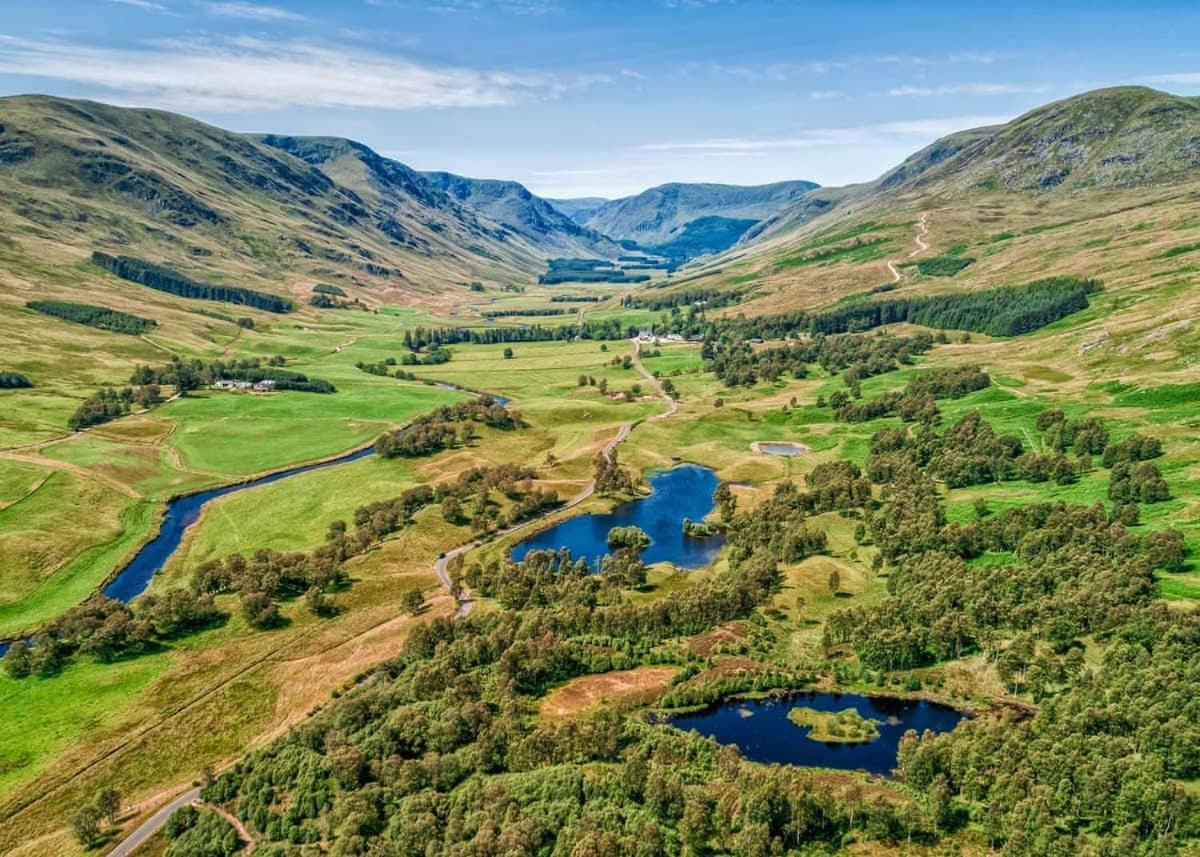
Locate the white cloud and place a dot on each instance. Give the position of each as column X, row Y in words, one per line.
column 253, row 12
column 902, row 59
column 243, row 74
column 511, row 7
column 969, row 57
column 775, row 71
column 818, row 138
column 969, row 89
column 149, row 5
column 826, row 95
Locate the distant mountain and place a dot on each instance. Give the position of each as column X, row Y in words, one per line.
column 686, row 220
column 1122, row 137
column 578, row 209
column 537, row 220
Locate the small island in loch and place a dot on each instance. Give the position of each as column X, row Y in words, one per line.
column 835, row 727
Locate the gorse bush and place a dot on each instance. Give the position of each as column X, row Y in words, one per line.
column 13, row 381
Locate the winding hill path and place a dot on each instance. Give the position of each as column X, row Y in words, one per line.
column 922, row 231
column 922, row 246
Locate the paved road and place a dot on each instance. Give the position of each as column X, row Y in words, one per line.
column 153, row 824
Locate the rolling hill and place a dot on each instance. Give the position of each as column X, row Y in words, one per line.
column 81, row 176
column 1106, row 139
column 1104, row 184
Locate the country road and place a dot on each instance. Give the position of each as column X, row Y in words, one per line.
column 440, row 567
column 153, row 824
column 465, row 602
column 672, row 405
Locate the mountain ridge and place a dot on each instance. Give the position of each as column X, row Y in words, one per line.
column 513, row 205
column 658, row 214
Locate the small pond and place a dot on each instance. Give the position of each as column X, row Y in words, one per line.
column 681, row 492
column 773, row 447
column 761, row 729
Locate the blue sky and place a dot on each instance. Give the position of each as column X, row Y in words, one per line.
column 581, row 98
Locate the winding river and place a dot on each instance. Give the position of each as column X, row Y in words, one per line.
column 183, row 511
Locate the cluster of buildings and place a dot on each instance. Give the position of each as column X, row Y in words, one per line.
column 648, row 336
column 264, row 386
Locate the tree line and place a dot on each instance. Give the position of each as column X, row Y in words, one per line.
column 165, row 280
column 736, row 363
column 445, row 427
column 1004, row 311
column 99, row 317
column 185, row 375
column 916, row 402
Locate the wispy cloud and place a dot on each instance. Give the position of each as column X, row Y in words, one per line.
column 244, row 73
column 816, row 138
column 980, row 57
column 966, row 57
column 970, row 89
column 253, row 12
column 780, row 71
column 511, row 7
column 1183, row 78
column 826, row 95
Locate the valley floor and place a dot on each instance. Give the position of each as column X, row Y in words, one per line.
column 151, row 724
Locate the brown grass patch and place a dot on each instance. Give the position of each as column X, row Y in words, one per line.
column 703, row 644
column 729, row 665
column 640, row 685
